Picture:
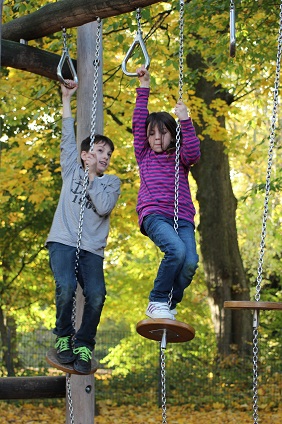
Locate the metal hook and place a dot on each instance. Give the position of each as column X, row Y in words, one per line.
column 232, row 30
column 66, row 57
column 256, row 319
column 163, row 341
column 138, row 40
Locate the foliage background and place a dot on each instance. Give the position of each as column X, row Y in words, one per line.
column 30, row 172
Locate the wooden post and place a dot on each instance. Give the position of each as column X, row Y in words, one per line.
column 82, row 387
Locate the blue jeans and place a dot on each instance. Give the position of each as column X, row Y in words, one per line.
column 180, row 260
column 91, row 279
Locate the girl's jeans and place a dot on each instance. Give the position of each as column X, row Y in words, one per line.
column 180, row 260
column 91, row 278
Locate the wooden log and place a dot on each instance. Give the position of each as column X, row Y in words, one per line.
column 27, row 58
column 50, row 18
column 41, row 387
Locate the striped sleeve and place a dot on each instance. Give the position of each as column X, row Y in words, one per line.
column 139, row 122
column 190, row 148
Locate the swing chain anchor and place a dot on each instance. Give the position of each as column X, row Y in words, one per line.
column 163, row 341
column 137, row 41
column 70, row 403
column 163, row 385
column 232, row 48
column 65, row 57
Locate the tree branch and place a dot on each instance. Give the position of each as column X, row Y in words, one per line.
column 31, row 59
column 68, row 13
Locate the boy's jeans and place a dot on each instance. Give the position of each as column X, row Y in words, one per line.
column 91, row 279
column 180, row 257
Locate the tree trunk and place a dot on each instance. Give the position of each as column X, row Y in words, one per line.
column 223, row 267
column 8, row 342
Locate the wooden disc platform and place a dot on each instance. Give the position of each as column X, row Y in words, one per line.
column 52, row 359
column 234, row 304
column 176, row 331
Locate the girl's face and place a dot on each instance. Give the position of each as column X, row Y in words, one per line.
column 159, row 140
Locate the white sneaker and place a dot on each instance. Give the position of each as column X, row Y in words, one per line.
column 157, row 310
column 173, row 311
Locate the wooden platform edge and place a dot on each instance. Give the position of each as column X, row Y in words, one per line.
column 51, row 358
column 176, row 331
column 259, row 305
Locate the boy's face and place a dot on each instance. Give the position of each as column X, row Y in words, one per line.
column 98, row 159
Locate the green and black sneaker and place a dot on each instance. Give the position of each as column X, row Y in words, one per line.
column 64, row 348
column 82, row 364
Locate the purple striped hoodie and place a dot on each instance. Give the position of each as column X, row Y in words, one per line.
column 157, row 170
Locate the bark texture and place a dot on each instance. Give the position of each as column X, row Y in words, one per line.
column 224, row 271
column 68, row 14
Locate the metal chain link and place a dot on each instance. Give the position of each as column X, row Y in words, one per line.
column 68, row 383
column 96, row 64
column 138, row 19
column 176, row 195
column 178, row 128
column 65, row 39
column 264, row 220
column 270, row 157
column 163, row 385
column 255, row 365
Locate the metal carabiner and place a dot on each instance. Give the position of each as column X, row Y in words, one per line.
column 137, row 41
column 66, row 57
column 232, row 49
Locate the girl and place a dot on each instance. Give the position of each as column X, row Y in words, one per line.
column 154, row 146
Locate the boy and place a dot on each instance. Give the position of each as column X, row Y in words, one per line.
column 101, row 197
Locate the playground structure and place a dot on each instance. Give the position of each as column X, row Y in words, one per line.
column 145, row 328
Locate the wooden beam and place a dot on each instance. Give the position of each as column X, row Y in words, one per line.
column 51, row 18
column 32, row 387
column 27, row 58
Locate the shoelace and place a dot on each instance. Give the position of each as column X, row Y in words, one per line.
column 63, row 343
column 83, row 352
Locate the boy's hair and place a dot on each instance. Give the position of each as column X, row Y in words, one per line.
column 161, row 119
column 85, row 144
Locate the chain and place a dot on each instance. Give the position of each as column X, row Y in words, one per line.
column 178, row 128
column 96, row 64
column 264, row 220
column 138, row 19
column 68, row 382
column 92, row 138
column 270, row 157
column 163, row 385
column 65, row 39
column 255, row 365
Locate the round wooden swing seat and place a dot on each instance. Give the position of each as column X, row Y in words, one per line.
column 234, row 304
column 176, row 331
column 52, row 359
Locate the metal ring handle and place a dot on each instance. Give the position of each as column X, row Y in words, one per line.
column 138, row 41
column 66, row 57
